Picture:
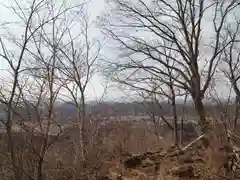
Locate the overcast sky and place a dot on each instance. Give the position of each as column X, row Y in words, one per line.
column 95, row 89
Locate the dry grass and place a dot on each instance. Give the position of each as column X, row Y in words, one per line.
column 107, row 149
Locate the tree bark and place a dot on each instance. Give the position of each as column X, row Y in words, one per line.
column 82, row 127
column 175, row 119
column 197, row 96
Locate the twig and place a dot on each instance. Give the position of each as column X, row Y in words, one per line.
column 192, row 143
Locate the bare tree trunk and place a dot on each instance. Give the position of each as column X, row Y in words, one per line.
column 175, row 118
column 182, row 119
column 181, row 131
column 82, row 127
column 11, row 146
column 9, row 123
column 81, row 135
column 205, row 125
column 39, row 169
column 237, row 104
column 197, row 96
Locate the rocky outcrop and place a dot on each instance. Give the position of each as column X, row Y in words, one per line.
column 170, row 164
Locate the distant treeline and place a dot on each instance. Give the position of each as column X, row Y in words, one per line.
column 68, row 110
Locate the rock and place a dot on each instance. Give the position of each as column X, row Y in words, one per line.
column 133, row 162
column 183, row 171
column 103, row 178
column 145, row 159
column 186, row 159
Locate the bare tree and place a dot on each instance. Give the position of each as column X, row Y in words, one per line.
column 231, row 58
column 32, row 21
column 77, row 65
column 41, row 132
column 154, row 109
column 15, row 64
column 155, row 99
column 47, row 57
column 181, row 25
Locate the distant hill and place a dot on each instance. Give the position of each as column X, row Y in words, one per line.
column 136, row 109
column 67, row 110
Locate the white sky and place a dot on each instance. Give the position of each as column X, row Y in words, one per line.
column 95, row 89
